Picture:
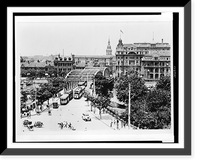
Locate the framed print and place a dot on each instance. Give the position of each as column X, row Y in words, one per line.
column 98, row 80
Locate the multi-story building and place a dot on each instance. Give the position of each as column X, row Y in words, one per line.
column 155, row 65
column 82, row 61
column 128, row 57
column 150, row 60
column 36, row 67
column 93, row 60
column 64, row 64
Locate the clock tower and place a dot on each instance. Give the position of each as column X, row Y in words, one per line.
column 109, row 50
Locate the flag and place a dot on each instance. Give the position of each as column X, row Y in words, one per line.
column 121, row 31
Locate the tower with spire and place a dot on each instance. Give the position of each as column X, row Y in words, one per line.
column 108, row 49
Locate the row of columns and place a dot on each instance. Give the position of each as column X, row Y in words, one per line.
column 165, row 72
column 72, row 85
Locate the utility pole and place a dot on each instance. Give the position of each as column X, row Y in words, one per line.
column 129, row 105
column 87, row 78
column 94, row 88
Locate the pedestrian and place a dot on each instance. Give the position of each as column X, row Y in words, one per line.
column 29, row 114
column 117, row 124
column 49, row 112
column 111, row 123
column 122, row 124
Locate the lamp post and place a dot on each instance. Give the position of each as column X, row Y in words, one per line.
column 129, row 105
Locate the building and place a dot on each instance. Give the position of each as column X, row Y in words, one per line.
column 108, row 49
column 64, row 64
column 93, row 60
column 84, row 61
column 36, row 68
column 128, row 56
column 155, row 65
column 150, row 60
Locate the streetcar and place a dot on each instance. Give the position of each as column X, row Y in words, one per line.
column 82, row 83
column 70, row 93
column 78, row 92
column 64, row 99
column 55, row 103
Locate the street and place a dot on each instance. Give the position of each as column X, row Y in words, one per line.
column 71, row 113
column 104, row 129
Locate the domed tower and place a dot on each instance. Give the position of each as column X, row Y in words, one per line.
column 108, row 50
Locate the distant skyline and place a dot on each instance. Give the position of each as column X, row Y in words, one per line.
column 84, row 36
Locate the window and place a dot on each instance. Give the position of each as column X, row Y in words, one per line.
column 156, row 76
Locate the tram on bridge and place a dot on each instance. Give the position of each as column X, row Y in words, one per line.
column 70, row 93
column 82, row 83
column 78, row 92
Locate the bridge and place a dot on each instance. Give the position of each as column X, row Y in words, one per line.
column 87, row 74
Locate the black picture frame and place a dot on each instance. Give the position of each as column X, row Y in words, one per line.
column 4, row 150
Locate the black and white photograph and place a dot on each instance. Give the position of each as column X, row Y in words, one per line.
column 94, row 78
column 98, row 78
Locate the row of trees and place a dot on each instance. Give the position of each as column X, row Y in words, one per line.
column 150, row 108
column 46, row 90
column 103, row 88
column 34, row 73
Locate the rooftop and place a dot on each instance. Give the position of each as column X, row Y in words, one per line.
column 93, row 56
column 37, row 64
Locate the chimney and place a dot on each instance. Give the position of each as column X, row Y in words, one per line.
column 162, row 40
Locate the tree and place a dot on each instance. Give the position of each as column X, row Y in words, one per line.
column 164, row 83
column 159, row 104
column 23, row 97
column 138, row 89
column 101, row 103
column 103, row 86
column 46, row 95
column 87, row 96
column 157, row 99
column 150, row 109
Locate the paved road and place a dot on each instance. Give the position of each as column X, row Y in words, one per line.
column 72, row 112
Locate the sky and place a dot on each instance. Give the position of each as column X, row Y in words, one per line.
column 85, row 35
